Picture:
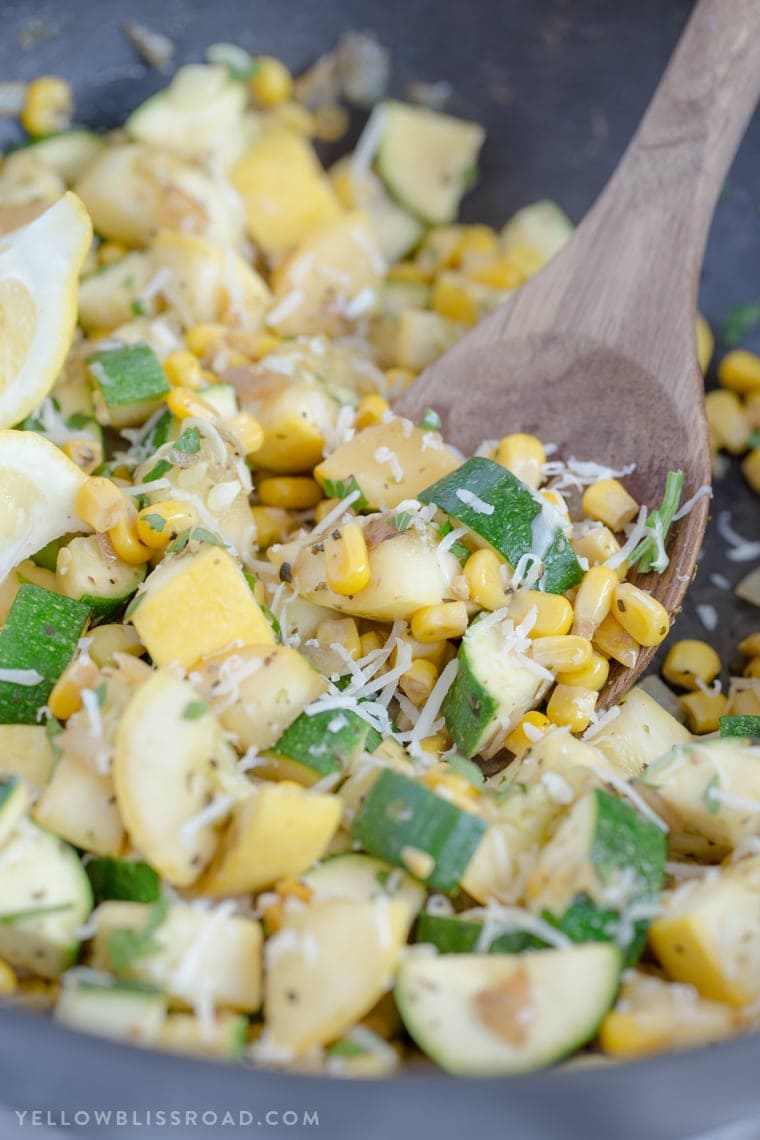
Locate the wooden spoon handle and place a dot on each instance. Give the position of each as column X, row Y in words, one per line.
column 644, row 238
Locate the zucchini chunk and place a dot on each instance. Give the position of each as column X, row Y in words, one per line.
column 89, row 571
column 319, row 745
column 14, row 803
column 493, row 689
column 39, row 638
column 603, row 865
column 327, row 966
column 78, row 804
column 743, row 727
column 126, row 1011
column 427, row 160
column 641, row 732
column 406, row 823
column 225, row 1037
column 460, row 934
column 45, row 897
column 25, row 752
column 535, row 234
column 68, row 153
column 509, row 516
column 363, row 878
column 131, row 374
column 713, row 790
column 492, row 1015
column 111, row 296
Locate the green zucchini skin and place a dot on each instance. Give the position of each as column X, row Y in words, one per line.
column 128, row 375
column 510, row 524
column 745, row 727
column 310, row 742
column 453, row 934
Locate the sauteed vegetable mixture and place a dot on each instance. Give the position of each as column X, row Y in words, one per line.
column 262, row 639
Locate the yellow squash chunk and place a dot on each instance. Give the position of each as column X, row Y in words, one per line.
column 277, row 831
column 327, row 967
column 171, row 763
column 405, row 574
column 423, row 336
column 285, row 191
column 25, row 751
column 390, row 461
column 653, row 1015
column 257, row 691
column 709, row 935
column 330, row 280
column 78, row 804
column 208, row 284
column 201, row 953
column 195, row 605
column 641, row 732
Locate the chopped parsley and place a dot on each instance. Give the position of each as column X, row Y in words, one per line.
column 709, row 798
column 467, row 769
column 194, row 710
column 402, row 521
column 431, row 421
column 189, row 443
column 158, row 471
column 650, row 553
column 124, row 946
column 33, row 912
column 155, row 522
column 340, row 488
column 458, row 549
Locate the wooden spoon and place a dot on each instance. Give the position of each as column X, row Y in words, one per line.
column 597, row 352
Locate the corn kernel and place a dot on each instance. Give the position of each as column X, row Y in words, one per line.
column 476, row 241
column 592, row 675
column 729, row 428
column 270, row 82
column 324, row 507
column 48, row 106
column 272, row 525
column 66, row 696
column 100, row 503
column 523, row 455
column 159, row 523
column 751, row 469
column 750, row 646
column 740, row 371
column 108, row 640
column 436, row 623
column 183, row 370
column 347, row 560
column 703, row 710
column 593, row 600
column 126, row 542
column 597, row 546
column 705, row 343
column 640, row 614
column 554, row 614
column 371, row 642
column 418, row 681
column 8, row 979
column 572, row 705
column 290, row 492
column 330, row 122
column 690, row 661
column 408, row 271
column 497, row 272
column 371, row 410
column 613, row 641
column 203, row 339
column 248, row 431
column 608, row 502
column 561, row 653
column 752, row 668
column 451, row 786
column 292, row 888
column 340, row 631
column 184, row 404
column 531, row 727
column 483, row 574
column 436, row 744
column 453, row 299
column 87, row 454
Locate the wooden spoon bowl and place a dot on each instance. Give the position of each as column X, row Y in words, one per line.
column 597, row 353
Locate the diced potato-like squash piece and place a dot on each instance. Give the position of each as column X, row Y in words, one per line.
column 294, row 416
column 642, row 731
column 423, row 336
column 709, row 935
column 25, row 751
column 106, row 298
column 207, row 284
column 195, row 605
column 331, row 279
column 390, row 461
column 258, row 690
column 276, row 832
column 79, row 805
column 202, row 953
column 285, row 191
column 535, row 234
column 326, row 968
column 405, row 574
column 653, row 1015
column 171, row 761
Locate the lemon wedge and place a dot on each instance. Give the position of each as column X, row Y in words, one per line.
column 38, row 489
column 39, row 272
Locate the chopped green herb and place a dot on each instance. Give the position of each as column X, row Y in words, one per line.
column 33, row 912
column 650, row 554
column 189, row 442
column 194, row 710
column 467, row 769
column 739, row 321
column 124, row 946
column 179, row 543
column 741, row 726
column 341, row 488
column 458, row 549
column 345, row 1048
column 129, row 879
column 54, row 728
column 200, row 534
column 273, row 621
column 155, row 522
column 709, row 798
column 79, row 420
column 137, row 308
column 402, row 521
column 133, row 605
column 250, row 578
column 156, row 472
column 101, row 692
column 431, row 421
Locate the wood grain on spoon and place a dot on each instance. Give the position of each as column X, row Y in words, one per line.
column 597, row 353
